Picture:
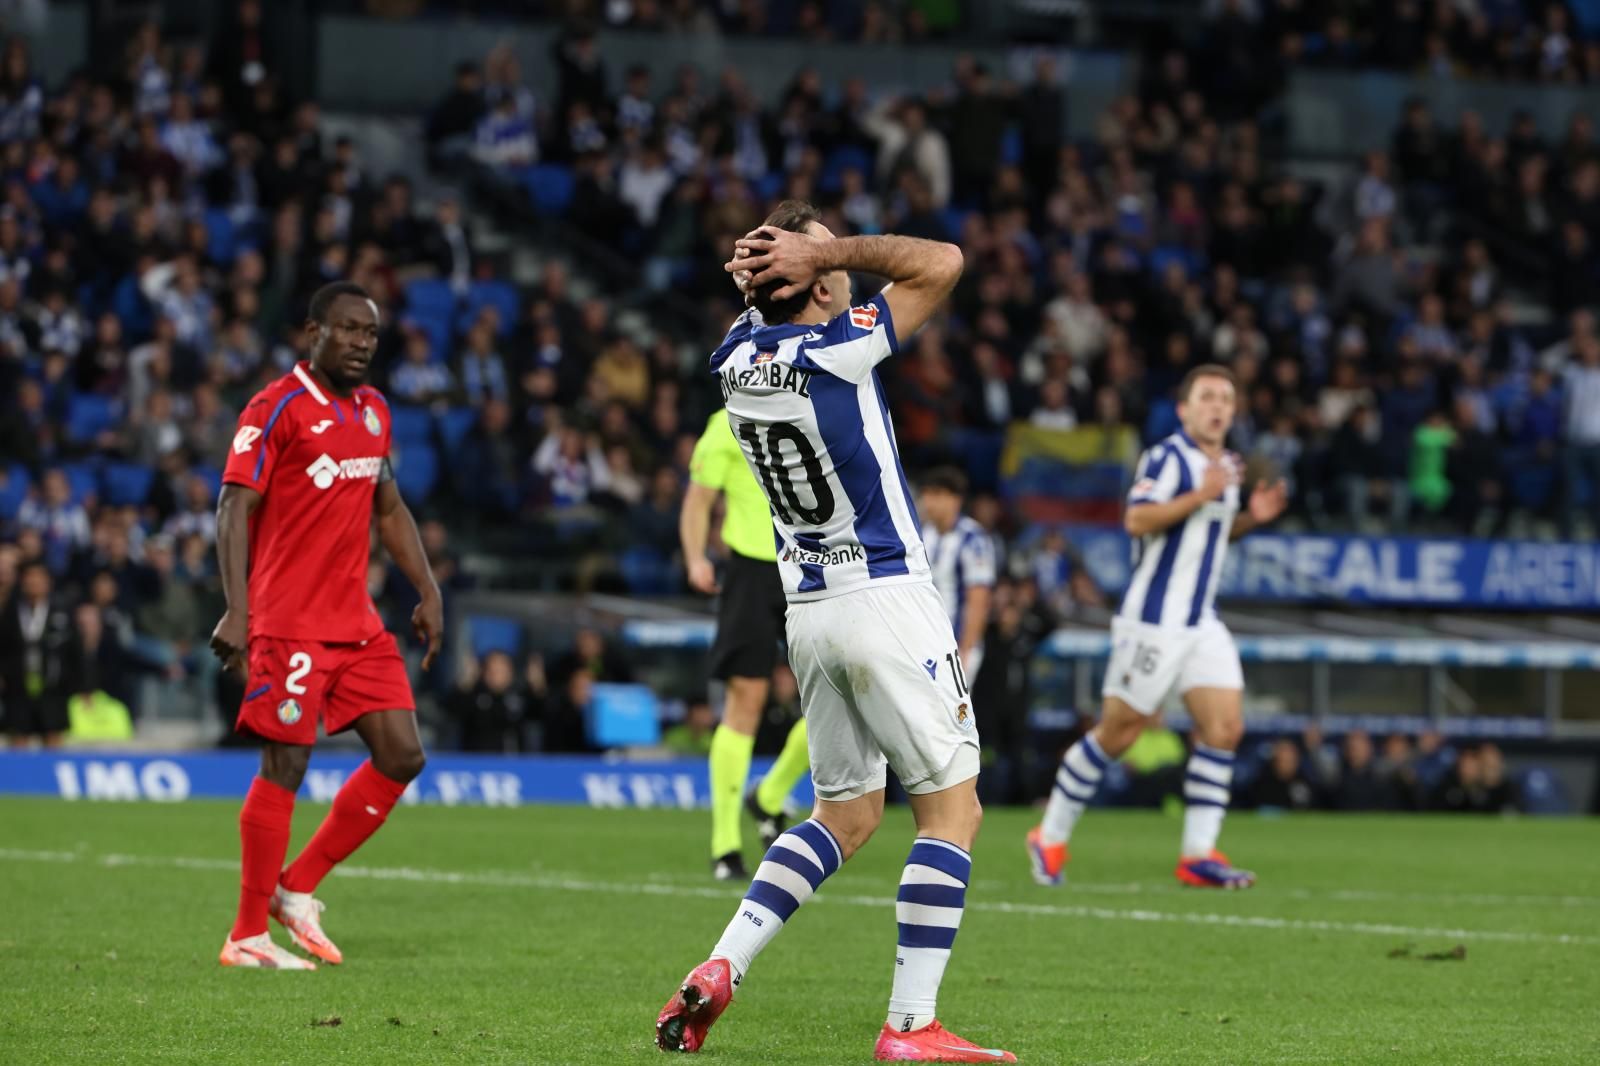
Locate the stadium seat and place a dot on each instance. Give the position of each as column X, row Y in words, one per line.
column 416, row 471
column 500, row 295
column 454, row 425
column 411, row 425
column 14, row 483
column 89, row 415
column 426, row 295
column 438, row 326
column 126, row 484
column 84, row 478
column 622, row 716
column 550, row 187
column 845, row 157
column 129, row 305
column 492, row 633
column 646, row 571
column 221, row 242
column 1541, row 792
column 212, row 476
column 954, row 219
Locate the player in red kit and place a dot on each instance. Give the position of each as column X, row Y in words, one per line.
column 307, row 473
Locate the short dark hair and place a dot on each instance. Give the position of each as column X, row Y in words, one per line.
column 945, row 479
column 1205, row 370
column 794, row 216
column 323, row 299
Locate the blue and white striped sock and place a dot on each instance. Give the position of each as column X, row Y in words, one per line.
column 1207, row 787
column 793, row 868
column 1076, row 783
column 933, row 895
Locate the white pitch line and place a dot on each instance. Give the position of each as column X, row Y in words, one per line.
column 572, row 884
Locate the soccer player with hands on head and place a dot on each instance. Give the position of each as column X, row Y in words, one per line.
column 870, row 641
column 307, row 473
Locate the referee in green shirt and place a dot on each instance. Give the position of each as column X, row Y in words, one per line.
column 750, row 622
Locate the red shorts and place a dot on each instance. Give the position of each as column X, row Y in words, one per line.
column 294, row 683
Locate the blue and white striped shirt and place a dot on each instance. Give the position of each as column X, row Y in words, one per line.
column 1175, row 572
column 962, row 560
column 810, row 416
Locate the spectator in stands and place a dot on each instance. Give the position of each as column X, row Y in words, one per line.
column 97, row 706
column 1477, row 784
column 420, row 379
column 592, row 654
column 492, row 710
column 1362, row 786
column 198, row 518
column 692, row 736
column 1282, row 783
column 35, row 640
column 1396, row 768
column 170, row 617
column 1581, row 433
column 61, row 521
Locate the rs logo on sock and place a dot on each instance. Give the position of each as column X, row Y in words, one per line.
column 753, row 918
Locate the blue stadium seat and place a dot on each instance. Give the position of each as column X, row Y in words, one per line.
column 221, row 242
column 126, row 484
column 500, row 295
column 89, row 415
column 845, row 157
column 454, row 425
column 412, row 425
column 84, row 479
column 426, row 295
column 129, row 305
column 550, row 187
column 416, row 471
column 212, row 476
column 646, row 571
column 622, row 716
column 954, row 219
column 14, row 483
column 437, row 325
column 492, row 633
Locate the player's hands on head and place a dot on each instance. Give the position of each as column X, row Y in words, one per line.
column 228, row 641
column 741, row 277
column 702, row 576
column 1267, row 502
column 428, row 621
column 778, row 255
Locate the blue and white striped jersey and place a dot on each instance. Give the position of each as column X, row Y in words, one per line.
column 961, row 560
column 810, row 416
column 1175, row 572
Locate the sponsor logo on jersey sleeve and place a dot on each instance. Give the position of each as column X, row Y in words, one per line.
column 246, row 439
column 864, row 317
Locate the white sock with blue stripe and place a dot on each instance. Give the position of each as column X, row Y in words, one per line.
column 933, row 896
column 1076, row 783
column 1207, row 787
column 793, row 868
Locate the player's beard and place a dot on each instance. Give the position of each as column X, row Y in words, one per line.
column 346, row 377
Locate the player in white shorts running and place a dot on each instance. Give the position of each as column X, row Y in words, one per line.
column 869, row 640
column 1183, row 510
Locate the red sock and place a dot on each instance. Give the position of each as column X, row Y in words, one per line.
column 264, row 838
column 358, row 810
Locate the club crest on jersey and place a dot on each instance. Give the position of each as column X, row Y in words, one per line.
column 245, row 439
column 864, row 317
column 369, row 418
column 963, row 717
column 289, row 711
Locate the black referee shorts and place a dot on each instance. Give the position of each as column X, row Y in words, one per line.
column 750, row 615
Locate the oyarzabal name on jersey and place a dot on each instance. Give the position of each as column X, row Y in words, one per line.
column 850, row 553
column 766, row 375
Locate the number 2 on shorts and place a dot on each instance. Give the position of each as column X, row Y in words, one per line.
column 299, row 666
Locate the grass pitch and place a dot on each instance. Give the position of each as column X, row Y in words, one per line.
column 552, row 935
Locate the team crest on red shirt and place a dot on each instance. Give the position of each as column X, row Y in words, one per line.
column 289, row 712
column 369, row 418
column 864, row 317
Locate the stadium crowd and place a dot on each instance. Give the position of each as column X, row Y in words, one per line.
column 162, row 226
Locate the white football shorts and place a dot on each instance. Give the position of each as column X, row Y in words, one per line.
column 1149, row 662
column 882, row 685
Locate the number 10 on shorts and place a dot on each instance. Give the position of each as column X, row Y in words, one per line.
column 953, row 660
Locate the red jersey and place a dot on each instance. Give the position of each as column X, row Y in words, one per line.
column 315, row 458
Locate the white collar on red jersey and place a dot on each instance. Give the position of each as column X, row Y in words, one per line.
column 310, row 383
